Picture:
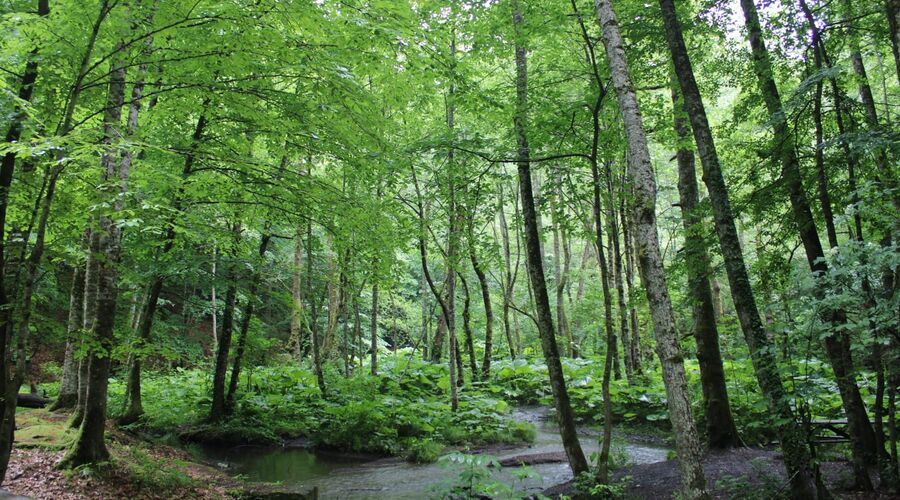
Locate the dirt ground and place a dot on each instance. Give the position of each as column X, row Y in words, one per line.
column 138, row 470
column 740, row 473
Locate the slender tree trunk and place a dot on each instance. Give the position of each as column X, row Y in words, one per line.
column 667, row 346
column 721, row 432
column 313, row 324
column 213, row 304
column 488, row 314
column 247, row 316
column 374, row 329
column 452, row 238
column 217, row 409
column 609, row 327
column 616, row 255
column 629, row 281
column 564, row 415
column 762, row 352
column 561, row 320
column 467, row 328
column 508, row 281
column 68, row 385
column 295, row 343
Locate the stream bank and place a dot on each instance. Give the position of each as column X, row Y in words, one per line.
column 299, row 468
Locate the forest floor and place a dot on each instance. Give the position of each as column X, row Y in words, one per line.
column 138, row 469
column 747, row 473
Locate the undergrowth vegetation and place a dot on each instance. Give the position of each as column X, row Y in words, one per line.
column 404, row 411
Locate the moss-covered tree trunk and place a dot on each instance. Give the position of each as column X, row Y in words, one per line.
column 836, row 342
column 761, row 349
column 89, row 446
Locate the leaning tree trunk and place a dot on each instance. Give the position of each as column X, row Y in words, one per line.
column 641, row 172
column 836, row 343
column 8, row 383
column 761, row 348
column 547, row 333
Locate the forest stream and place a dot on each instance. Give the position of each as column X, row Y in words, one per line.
column 350, row 476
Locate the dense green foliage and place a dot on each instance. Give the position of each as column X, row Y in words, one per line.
column 255, row 220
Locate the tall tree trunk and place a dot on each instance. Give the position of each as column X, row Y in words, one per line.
column 90, row 446
column 609, row 327
column 721, row 431
column 761, row 349
column 334, row 299
column 68, row 385
column 452, row 236
column 488, row 313
column 135, row 406
column 616, row 256
column 641, row 172
column 374, row 329
column 467, row 328
column 629, row 281
column 836, row 344
column 89, row 315
column 564, row 415
column 247, row 316
column 296, row 342
column 313, row 323
column 508, row 281
column 217, row 409
column 560, row 289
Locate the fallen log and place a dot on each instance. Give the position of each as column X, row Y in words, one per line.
column 26, row 400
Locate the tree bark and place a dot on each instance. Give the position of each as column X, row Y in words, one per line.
column 836, row 344
column 721, row 431
column 247, row 316
column 762, row 353
column 467, row 329
column 90, row 446
column 217, row 409
column 508, row 281
column 488, row 313
column 296, row 342
column 68, row 385
column 651, row 266
column 564, row 415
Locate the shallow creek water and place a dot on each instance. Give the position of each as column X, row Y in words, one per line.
column 342, row 476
